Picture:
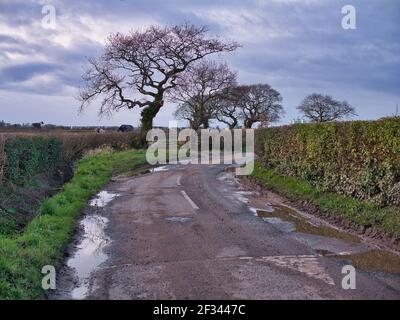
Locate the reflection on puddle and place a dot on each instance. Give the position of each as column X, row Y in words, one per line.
column 374, row 261
column 308, row 264
column 287, row 219
column 178, row 219
column 89, row 254
column 281, row 216
column 241, row 195
column 228, row 177
column 327, row 253
column 280, row 224
column 102, row 199
column 268, row 208
column 158, row 169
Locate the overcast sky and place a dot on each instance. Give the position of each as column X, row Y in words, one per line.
column 298, row 47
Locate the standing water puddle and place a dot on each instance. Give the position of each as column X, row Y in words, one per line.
column 103, row 198
column 89, row 254
column 159, row 169
column 241, row 195
column 373, row 261
column 289, row 220
column 178, row 219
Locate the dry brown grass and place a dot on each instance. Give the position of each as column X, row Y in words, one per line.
column 75, row 145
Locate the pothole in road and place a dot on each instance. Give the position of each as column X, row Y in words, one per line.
column 178, row 219
column 268, row 208
column 102, row 199
column 300, row 224
column 371, row 261
column 242, row 195
column 374, row 261
column 227, row 177
column 159, row 169
column 89, row 254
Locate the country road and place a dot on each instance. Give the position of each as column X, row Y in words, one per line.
column 192, row 232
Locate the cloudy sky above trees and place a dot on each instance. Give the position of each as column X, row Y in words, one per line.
column 298, row 47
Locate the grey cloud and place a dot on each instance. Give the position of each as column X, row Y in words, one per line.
column 298, row 46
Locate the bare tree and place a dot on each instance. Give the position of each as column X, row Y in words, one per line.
column 198, row 88
column 137, row 69
column 320, row 108
column 189, row 111
column 227, row 107
column 260, row 103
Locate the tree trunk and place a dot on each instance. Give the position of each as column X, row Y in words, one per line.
column 248, row 123
column 148, row 114
column 206, row 124
column 233, row 124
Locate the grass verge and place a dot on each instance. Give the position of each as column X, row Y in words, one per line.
column 45, row 237
column 357, row 211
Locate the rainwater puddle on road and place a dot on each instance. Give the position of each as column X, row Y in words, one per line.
column 374, row 261
column 282, row 214
column 178, row 219
column 227, row 177
column 242, row 195
column 89, row 253
column 268, row 208
column 102, row 199
column 159, row 169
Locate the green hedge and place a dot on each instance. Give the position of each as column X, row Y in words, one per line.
column 359, row 159
column 28, row 156
column 24, row 156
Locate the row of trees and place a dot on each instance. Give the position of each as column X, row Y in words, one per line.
column 143, row 68
column 209, row 91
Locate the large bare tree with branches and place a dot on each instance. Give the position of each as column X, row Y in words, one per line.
column 137, row 69
column 227, row 107
column 198, row 88
column 260, row 103
column 188, row 111
column 323, row 108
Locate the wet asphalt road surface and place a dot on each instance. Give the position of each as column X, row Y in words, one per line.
column 190, row 232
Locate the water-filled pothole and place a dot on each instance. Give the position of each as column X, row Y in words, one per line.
column 159, row 169
column 374, row 261
column 178, row 219
column 242, row 195
column 89, row 254
column 102, row 199
column 301, row 224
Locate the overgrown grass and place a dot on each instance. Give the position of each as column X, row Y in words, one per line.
column 45, row 237
column 358, row 211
